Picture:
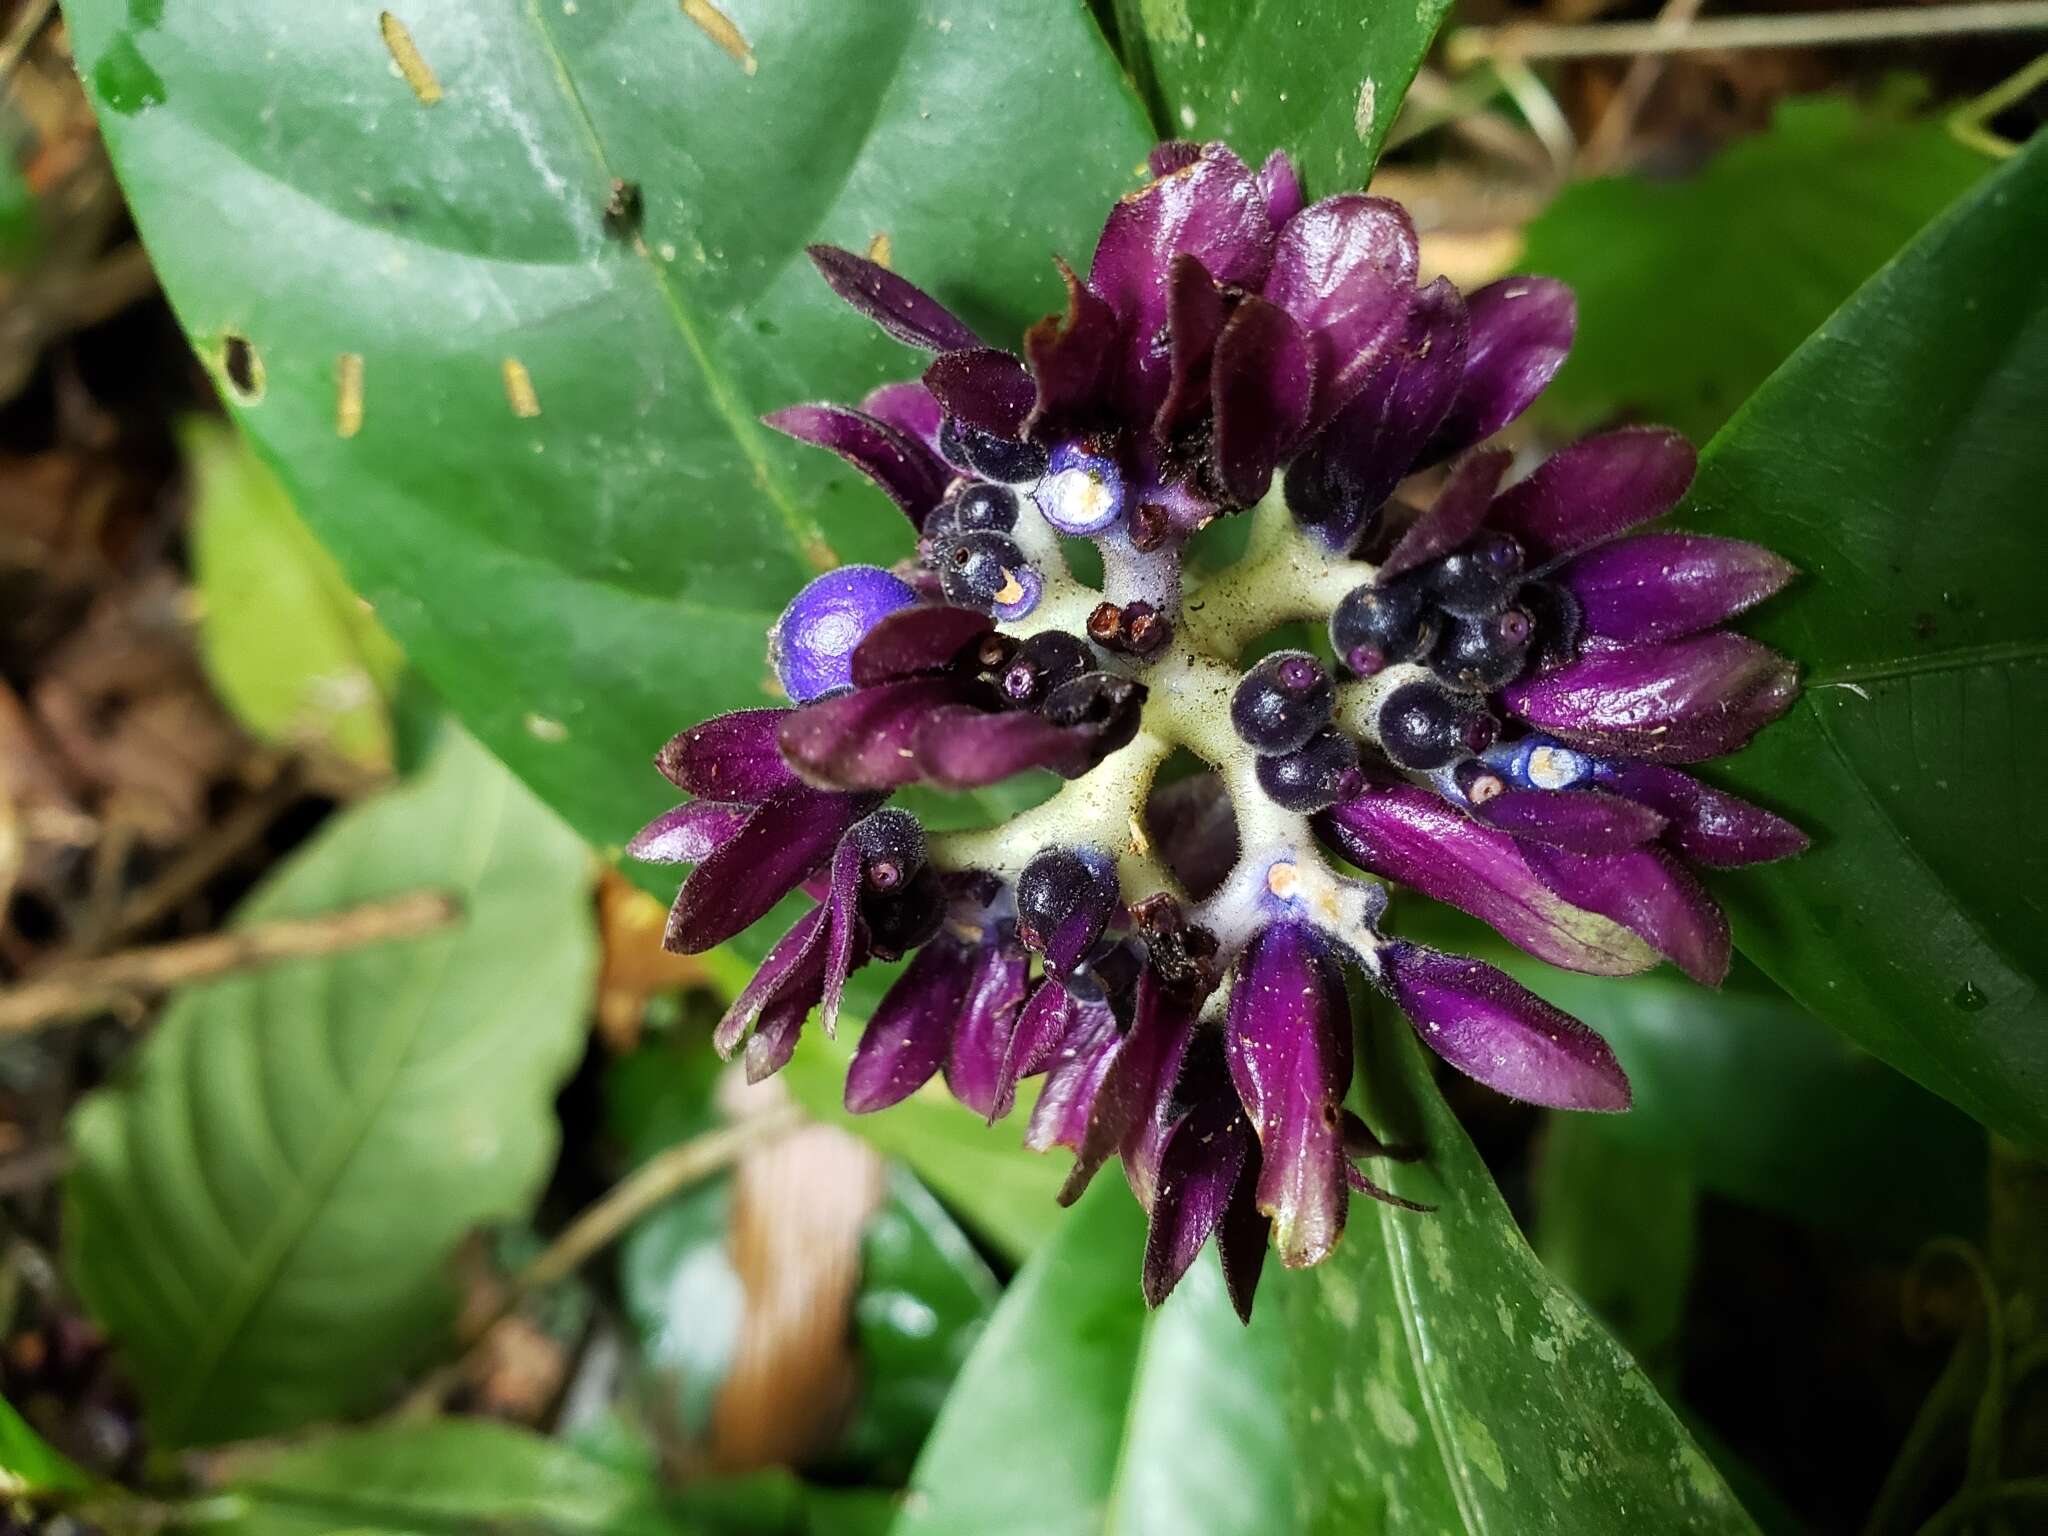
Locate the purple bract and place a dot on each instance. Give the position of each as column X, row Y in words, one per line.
column 1519, row 671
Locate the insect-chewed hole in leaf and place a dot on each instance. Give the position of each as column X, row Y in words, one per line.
column 242, row 366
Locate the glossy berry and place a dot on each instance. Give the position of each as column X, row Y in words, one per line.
column 1065, row 899
column 1383, row 622
column 1282, row 702
column 1421, row 725
column 1313, row 777
column 1001, row 459
column 1480, row 577
column 986, row 571
column 1483, row 654
column 1041, row 664
column 1559, row 623
column 812, row 643
column 900, row 920
column 1082, row 492
column 975, row 505
column 892, row 848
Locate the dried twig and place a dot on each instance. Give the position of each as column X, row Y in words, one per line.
column 1610, row 134
column 1620, row 39
column 89, row 986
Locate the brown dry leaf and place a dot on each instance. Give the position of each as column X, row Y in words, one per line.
column 799, row 1205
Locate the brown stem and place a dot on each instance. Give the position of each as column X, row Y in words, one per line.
column 89, row 986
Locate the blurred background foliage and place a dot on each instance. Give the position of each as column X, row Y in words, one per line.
column 451, row 1222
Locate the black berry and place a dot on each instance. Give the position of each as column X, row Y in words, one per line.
column 900, row 920
column 1043, row 662
column 1558, row 619
column 1483, row 654
column 1480, row 577
column 892, row 848
column 976, row 505
column 1381, row 623
column 1313, row 777
column 1282, row 702
column 984, row 570
column 1065, row 899
column 997, row 458
column 1423, row 726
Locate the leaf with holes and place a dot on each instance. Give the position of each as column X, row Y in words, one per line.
column 1320, row 81
column 1898, row 459
column 502, row 286
column 1081, row 1414
column 1443, row 1381
column 261, row 1218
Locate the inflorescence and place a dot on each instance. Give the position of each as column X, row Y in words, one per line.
column 1515, row 674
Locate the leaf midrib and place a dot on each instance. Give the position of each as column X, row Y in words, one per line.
column 309, row 1196
column 804, row 531
column 1962, row 658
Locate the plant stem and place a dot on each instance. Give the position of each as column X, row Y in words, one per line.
column 1622, row 39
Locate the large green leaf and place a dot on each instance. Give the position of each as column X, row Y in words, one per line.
column 1081, row 1415
column 1899, row 459
column 1320, row 81
column 1692, row 289
column 582, row 582
column 1445, row 1382
column 261, row 1218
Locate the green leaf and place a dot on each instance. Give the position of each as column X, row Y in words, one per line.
column 1692, row 290
column 1898, row 459
column 29, row 1464
column 1080, row 1415
column 924, row 1296
column 471, row 1477
column 261, row 1218
column 1445, row 1382
column 1320, row 81
column 1616, row 1223
column 424, row 1479
column 291, row 649
column 582, row 583
column 1756, row 1099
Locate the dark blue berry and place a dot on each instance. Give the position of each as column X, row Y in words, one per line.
column 892, row 848
column 976, row 504
column 1484, row 654
column 1315, row 776
column 1282, row 702
column 1065, row 899
column 1041, row 664
column 1423, row 726
column 813, row 642
column 986, row 571
column 901, row 919
column 995, row 458
column 1383, row 622
column 1480, row 577
column 1559, row 621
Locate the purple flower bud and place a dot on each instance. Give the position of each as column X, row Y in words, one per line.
column 1492, row 1028
column 814, row 640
